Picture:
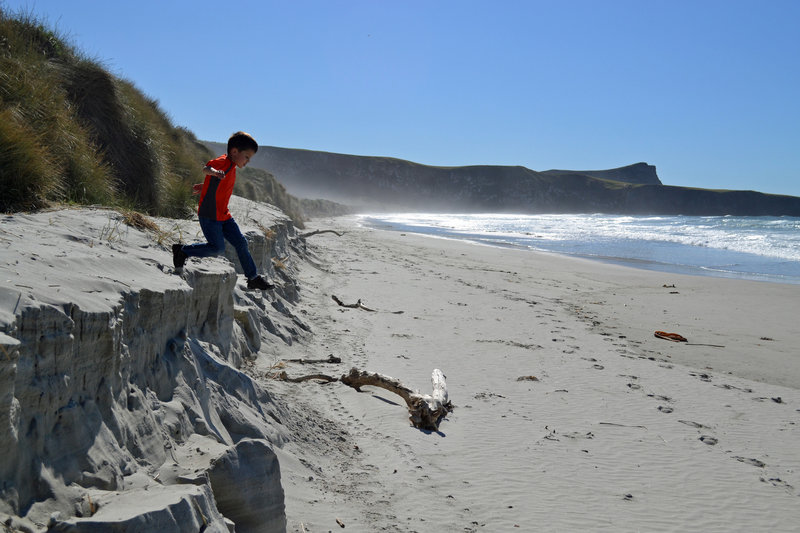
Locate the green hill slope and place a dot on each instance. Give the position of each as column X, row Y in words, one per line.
column 72, row 132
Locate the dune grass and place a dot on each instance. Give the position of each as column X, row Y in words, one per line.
column 72, row 132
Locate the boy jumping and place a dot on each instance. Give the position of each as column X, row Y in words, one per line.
column 215, row 220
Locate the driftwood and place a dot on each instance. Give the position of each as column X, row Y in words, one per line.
column 357, row 305
column 331, row 359
column 426, row 411
column 321, row 377
column 317, row 232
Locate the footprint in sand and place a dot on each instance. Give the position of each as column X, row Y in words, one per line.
column 749, row 461
column 731, row 387
column 660, row 397
column 777, row 482
column 665, row 409
column 706, row 439
column 579, row 435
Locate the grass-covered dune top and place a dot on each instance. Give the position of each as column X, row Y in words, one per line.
column 72, row 132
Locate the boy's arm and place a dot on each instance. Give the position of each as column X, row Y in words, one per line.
column 208, row 170
column 211, row 171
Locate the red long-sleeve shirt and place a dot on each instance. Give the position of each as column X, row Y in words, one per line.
column 216, row 191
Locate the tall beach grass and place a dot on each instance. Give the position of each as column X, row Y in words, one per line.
column 70, row 131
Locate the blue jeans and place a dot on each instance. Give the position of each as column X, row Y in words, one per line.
column 216, row 233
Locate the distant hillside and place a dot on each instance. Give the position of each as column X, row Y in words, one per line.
column 640, row 173
column 259, row 184
column 368, row 182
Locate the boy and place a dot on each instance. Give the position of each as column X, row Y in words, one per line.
column 215, row 219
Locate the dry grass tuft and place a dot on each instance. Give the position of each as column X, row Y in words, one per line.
column 139, row 221
column 274, row 370
column 144, row 223
column 269, row 233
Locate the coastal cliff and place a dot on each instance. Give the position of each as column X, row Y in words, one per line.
column 124, row 392
column 383, row 183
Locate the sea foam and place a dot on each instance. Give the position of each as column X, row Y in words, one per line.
column 760, row 248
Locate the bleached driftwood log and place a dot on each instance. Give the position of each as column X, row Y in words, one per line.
column 426, row 411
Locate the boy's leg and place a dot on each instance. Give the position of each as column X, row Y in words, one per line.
column 231, row 231
column 212, row 230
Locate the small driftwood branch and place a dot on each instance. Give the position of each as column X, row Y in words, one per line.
column 330, row 359
column 357, row 305
column 321, row 377
column 700, row 344
column 317, row 232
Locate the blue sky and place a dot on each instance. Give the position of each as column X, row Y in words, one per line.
column 706, row 90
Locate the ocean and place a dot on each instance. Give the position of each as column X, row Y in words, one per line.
column 755, row 248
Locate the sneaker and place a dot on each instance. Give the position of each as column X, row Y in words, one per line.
column 178, row 256
column 259, row 283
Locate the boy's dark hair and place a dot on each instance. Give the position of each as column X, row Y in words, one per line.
column 242, row 141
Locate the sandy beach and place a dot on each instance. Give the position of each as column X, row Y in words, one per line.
column 158, row 403
column 569, row 414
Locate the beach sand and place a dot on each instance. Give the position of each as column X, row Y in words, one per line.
column 569, row 415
